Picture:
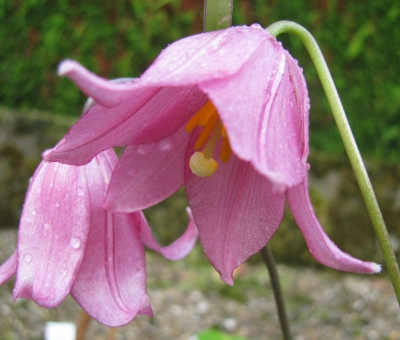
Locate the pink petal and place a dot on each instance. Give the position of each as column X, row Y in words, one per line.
column 235, row 211
column 105, row 93
column 205, row 57
column 319, row 244
column 147, row 174
column 52, row 233
column 165, row 97
column 176, row 250
column 148, row 115
column 111, row 284
column 261, row 115
column 8, row 268
column 303, row 104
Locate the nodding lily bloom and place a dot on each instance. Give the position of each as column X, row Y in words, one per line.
column 224, row 113
column 68, row 243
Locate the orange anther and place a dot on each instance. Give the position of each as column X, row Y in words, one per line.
column 226, row 151
column 205, row 133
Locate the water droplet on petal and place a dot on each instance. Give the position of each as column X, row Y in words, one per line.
column 144, row 149
column 46, row 228
column 75, row 242
column 164, row 145
column 256, row 26
column 57, row 237
column 57, row 204
column 80, row 191
column 28, row 258
column 33, row 212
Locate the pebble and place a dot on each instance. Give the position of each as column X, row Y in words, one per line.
column 345, row 306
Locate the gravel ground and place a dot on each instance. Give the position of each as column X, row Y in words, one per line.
column 188, row 297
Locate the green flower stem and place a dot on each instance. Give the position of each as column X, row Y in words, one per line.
column 349, row 144
column 217, row 15
column 269, row 261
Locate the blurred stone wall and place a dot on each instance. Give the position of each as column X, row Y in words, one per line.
column 23, row 138
column 334, row 190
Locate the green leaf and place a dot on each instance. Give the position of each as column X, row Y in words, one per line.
column 215, row 334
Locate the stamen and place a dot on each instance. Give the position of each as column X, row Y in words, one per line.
column 213, row 141
column 207, row 112
column 205, row 133
column 201, row 117
column 223, row 132
column 201, row 166
column 202, row 162
column 193, row 122
column 226, row 151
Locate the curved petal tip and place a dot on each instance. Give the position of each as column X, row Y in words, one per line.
column 67, row 66
column 319, row 244
column 103, row 92
column 375, row 268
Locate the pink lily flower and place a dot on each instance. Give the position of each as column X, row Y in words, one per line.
column 68, row 243
column 224, row 113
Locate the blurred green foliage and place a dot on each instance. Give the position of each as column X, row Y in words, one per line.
column 360, row 40
column 215, row 334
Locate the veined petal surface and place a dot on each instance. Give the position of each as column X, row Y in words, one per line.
column 147, row 174
column 52, row 233
column 111, row 284
column 236, row 213
column 149, row 114
column 259, row 110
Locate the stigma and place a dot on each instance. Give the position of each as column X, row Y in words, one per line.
column 202, row 163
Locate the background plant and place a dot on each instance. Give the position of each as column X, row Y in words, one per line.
column 121, row 38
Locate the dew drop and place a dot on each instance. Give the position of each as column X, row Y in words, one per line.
column 164, row 145
column 28, row 258
column 57, row 204
column 144, row 149
column 57, row 236
column 33, row 212
column 80, row 191
column 75, row 242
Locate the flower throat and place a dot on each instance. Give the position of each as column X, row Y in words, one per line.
column 202, row 162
